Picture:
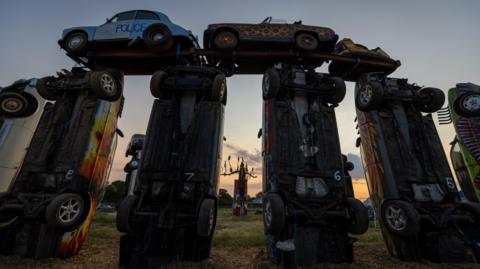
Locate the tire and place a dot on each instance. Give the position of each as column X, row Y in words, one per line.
column 13, row 104
column 306, row 42
column 124, row 213
column 206, row 218
column 32, row 104
column 360, row 221
column 435, row 99
column 66, row 210
column 468, row 105
column 400, row 218
column 105, row 85
column 44, row 91
column 369, row 96
column 273, row 214
column 75, row 42
column 225, row 40
column 158, row 37
column 219, row 88
column 270, row 83
column 156, row 84
column 340, row 90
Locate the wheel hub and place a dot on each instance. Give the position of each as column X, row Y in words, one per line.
column 75, row 42
column 472, row 103
column 158, row 36
column 69, row 211
column 396, row 218
column 225, row 39
column 366, row 94
column 108, row 84
column 12, row 105
column 268, row 213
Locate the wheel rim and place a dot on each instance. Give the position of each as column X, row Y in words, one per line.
column 12, row 105
column 157, row 36
column 471, row 103
column 69, row 211
column 108, row 84
column 225, row 40
column 75, row 42
column 222, row 90
column 396, row 218
column 366, row 94
column 211, row 221
column 307, row 41
column 266, row 83
column 268, row 214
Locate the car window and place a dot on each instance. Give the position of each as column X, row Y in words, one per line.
column 145, row 15
column 125, row 16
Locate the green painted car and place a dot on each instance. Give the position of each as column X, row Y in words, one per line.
column 464, row 107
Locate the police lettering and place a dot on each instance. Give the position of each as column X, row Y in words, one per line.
column 127, row 27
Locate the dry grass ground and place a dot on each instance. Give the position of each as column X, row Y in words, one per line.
column 238, row 244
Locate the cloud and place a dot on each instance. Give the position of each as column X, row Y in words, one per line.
column 253, row 159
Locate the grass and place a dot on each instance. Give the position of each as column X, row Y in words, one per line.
column 231, row 231
column 103, row 227
column 238, row 231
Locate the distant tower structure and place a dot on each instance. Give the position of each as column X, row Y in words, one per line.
column 240, row 192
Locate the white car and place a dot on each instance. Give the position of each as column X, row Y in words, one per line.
column 16, row 134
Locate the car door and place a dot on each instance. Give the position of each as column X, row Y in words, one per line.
column 118, row 27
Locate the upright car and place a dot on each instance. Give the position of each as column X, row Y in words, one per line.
column 17, row 126
column 174, row 202
column 308, row 200
column 50, row 206
column 464, row 112
column 409, row 180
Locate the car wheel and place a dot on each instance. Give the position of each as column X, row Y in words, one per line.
column 270, row 83
column 76, row 42
column 13, row 104
column 400, row 218
column 206, row 218
column 156, row 83
column 106, row 85
column 32, row 104
column 65, row 210
column 124, row 213
column 158, row 37
column 468, row 105
column 225, row 40
column 306, row 42
column 340, row 90
column 219, row 88
column 359, row 222
column 432, row 99
column 44, row 90
column 273, row 213
column 369, row 96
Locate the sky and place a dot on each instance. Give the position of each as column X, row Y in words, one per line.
column 437, row 42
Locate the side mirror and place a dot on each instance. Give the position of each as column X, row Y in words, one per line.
column 259, row 134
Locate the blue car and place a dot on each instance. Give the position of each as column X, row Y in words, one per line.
column 127, row 29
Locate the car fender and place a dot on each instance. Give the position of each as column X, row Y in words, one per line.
column 90, row 30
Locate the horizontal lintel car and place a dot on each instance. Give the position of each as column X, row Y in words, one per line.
column 150, row 28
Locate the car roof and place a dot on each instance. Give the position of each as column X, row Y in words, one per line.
column 135, row 10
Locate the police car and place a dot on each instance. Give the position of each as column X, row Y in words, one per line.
column 127, row 29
